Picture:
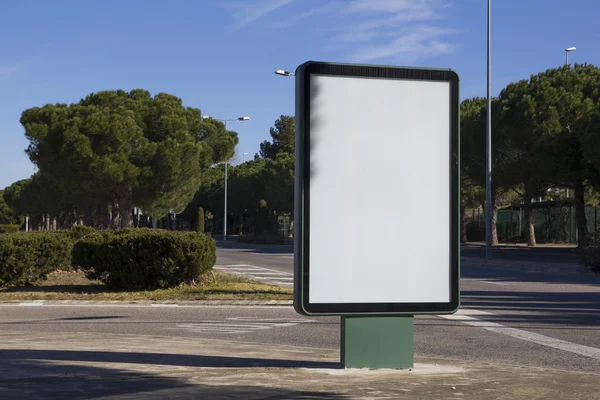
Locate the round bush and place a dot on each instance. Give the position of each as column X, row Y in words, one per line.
column 29, row 257
column 145, row 258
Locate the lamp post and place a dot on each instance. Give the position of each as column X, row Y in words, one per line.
column 567, row 51
column 224, row 120
column 488, row 141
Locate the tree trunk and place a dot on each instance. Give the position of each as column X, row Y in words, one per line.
column 494, row 221
column 114, row 215
column 582, row 232
column 125, row 207
column 530, row 221
column 291, row 227
column 105, row 220
column 242, row 224
column 463, row 223
column 87, row 217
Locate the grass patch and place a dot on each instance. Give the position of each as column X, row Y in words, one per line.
column 73, row 285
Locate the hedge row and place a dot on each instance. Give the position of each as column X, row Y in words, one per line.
column 29, row 257
column 145, row 258
column 6, row 228
column 124, row 258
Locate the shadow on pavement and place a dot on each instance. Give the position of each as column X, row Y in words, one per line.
column 257, row 248
column 31, row 374
column 180, row 360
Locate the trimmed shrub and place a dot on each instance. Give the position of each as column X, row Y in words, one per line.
column 7, row 228
column 29, row 257
column 145, row 258
column 75, row 233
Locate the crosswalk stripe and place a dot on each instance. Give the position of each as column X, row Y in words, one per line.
column 261, row 274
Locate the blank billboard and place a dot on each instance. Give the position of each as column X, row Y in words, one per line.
column 377, row 191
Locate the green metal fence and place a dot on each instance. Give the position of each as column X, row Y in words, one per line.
column 553, row 224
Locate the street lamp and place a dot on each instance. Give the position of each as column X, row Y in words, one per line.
column 224, row 120
column 567, row 51
column 284, row 73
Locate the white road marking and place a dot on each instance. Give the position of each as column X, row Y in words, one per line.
column 464, row 316
column 265, row 275
column 281, row 278
column 30, row 304
column 240, row 325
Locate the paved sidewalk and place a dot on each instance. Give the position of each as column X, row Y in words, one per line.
column 109, row 366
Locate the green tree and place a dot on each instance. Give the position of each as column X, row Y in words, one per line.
column 531, row 164
column 282, row 138
column 566, row 103
column 126, row 149
column 7, row 214
column 473, row 155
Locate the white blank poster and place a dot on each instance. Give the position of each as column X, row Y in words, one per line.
column 379, row 191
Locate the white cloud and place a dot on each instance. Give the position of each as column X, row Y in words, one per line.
column 295, row 19
column 406, row 30
column 390, row 6
column 8, row 71
column 363, row 30
column 412, row 45
column 247, row 12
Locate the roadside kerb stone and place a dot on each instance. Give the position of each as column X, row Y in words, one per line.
column 151, row 302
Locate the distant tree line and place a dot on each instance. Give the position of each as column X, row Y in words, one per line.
column 259, row 191
column 112, row 151
column 115, row 150
column 546, row 134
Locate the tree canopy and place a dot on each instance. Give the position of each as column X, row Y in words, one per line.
column 126, row 149
column 546, row 134
column 282, row 138
column 7, row 214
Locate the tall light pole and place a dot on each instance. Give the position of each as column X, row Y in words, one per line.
column 567, row 51
column 224, row 121
column 488, row 141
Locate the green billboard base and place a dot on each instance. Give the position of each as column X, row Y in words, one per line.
column 377, row 342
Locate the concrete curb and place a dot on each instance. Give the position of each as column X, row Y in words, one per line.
column 566, row 269
column 166, row 303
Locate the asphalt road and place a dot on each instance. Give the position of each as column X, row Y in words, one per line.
column 545, row 254
column 274, row 256
column 507, row 317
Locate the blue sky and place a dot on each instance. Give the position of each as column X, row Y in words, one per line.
column 220, row 56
